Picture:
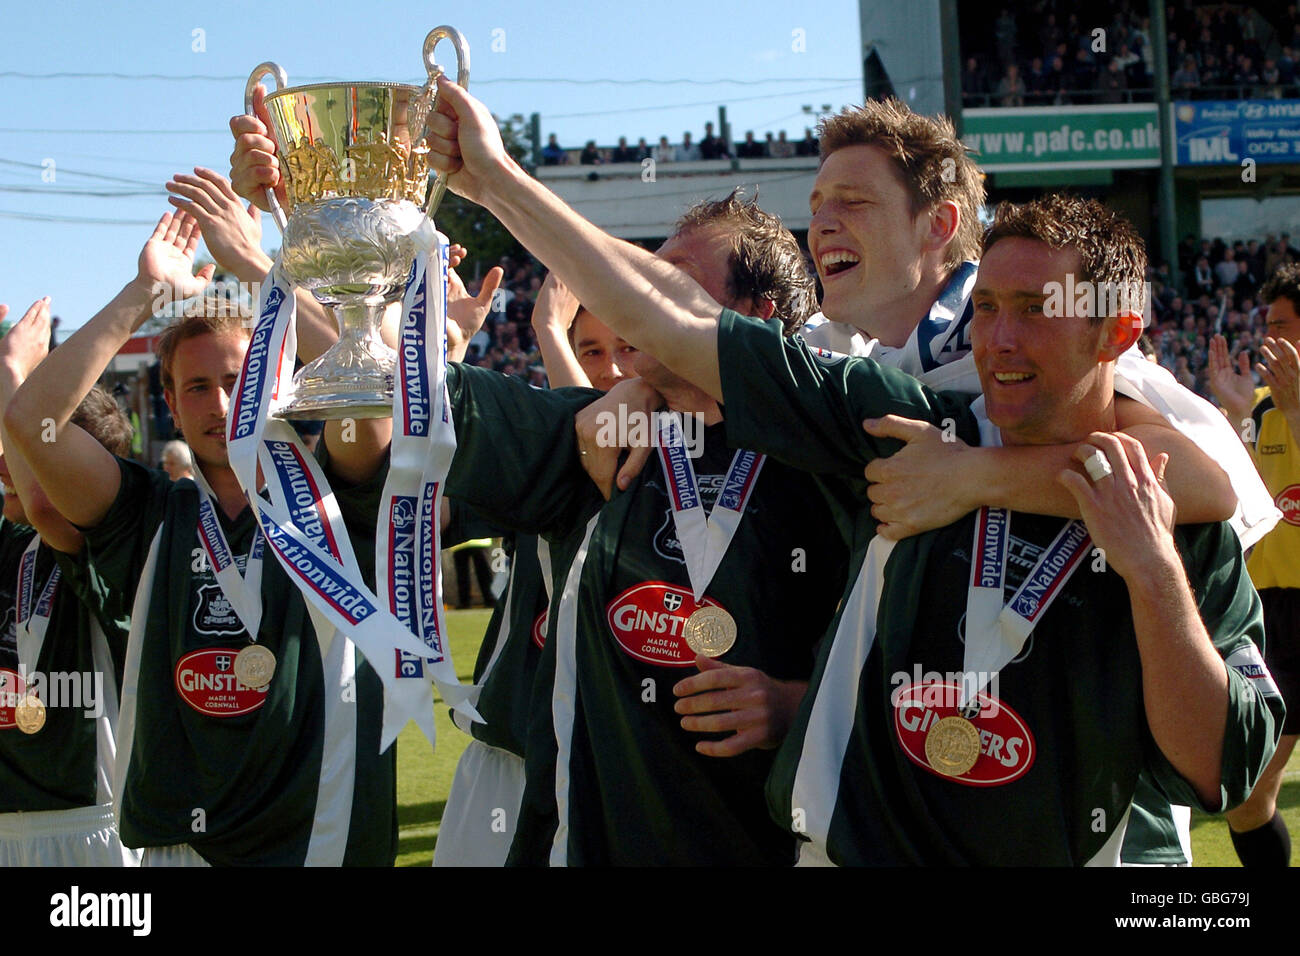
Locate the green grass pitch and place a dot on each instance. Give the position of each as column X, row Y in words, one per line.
column 423, row 778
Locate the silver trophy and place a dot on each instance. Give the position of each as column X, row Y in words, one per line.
column 354, row 163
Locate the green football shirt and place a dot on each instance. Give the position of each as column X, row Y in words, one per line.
column 1058, row 765
column 612, row 778
column 286, row 775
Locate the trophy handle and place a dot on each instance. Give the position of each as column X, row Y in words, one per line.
column 281, row 78
column 462, row 80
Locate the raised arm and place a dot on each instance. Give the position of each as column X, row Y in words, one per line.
column 553, row 316
column 78, row 474
column 233, row 236
column 934, row 480
column 647, row 301
column 21, row 350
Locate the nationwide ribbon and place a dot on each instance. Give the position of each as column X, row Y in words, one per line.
column 996, row 634
column 244, row 592
column 704, row 538
column 33, row 622
column 305, row 530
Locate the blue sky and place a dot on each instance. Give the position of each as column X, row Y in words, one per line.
column 112, row 141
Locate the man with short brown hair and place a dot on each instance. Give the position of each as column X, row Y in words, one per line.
column 858, row 775
column 211, row 770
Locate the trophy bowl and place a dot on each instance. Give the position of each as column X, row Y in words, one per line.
column 359, row 197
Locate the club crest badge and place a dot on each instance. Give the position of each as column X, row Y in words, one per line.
column 214, row 615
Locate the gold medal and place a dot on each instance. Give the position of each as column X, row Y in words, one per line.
column 952, row 746
column 710, row 631
column 29, row 714
column 254, row 666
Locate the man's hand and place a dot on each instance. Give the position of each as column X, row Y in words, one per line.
column 626, row 401
column 464, row 140
column 919, row 487
column 167, row 259
column 233, row 234
column 556, row 306
column 1233, row 387
column 757, row 709
column 253, row 164
column 466, row 313
column 1128, row 512
column 23, row 347
column 1281, row 373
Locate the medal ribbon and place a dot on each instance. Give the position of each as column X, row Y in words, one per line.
column 996, row 634
column 244, row 592
column 33, row 622
column 408, row 556
column 305, row 530
column 704, row 538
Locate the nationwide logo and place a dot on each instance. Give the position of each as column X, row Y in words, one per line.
column 249, row 398
column 206, row 681
column 415, row 372
column 1288, row 502
column 826, row 356
column 1247, row 662
column 647, row 622
column 539, row 629
column 214, row 616
column 1006, row 746
column 12, row 689
column 304, row 497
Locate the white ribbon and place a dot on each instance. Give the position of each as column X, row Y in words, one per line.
column 704, row 538
column 305, row 530
column 33, row 621
column 244, row 592
column 996, row 634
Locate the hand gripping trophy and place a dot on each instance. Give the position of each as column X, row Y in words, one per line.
column 358, row 237
column 359, row 200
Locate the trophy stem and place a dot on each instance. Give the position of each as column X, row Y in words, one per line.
column 354, row 379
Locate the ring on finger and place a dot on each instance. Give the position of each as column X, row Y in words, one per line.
column 1097, row 466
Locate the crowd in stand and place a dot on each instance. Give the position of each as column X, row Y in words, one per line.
column 1221, row 283
column 1045, row 53
column 711, row 146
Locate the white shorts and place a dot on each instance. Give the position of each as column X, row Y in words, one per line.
column 85, row 836
column 478, row 824
column 180, row 854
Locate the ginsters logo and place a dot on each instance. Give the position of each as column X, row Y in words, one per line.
column 1288, row 502
column 1006, row 746
column 206, row 681
column 12, row 687
column 647, row 622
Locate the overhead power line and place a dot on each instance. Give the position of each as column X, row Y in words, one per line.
column 566, row 80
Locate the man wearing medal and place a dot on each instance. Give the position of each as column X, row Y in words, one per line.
column 56, row 746
column 232, row 749
column 643, row 585
column 1147, row 686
